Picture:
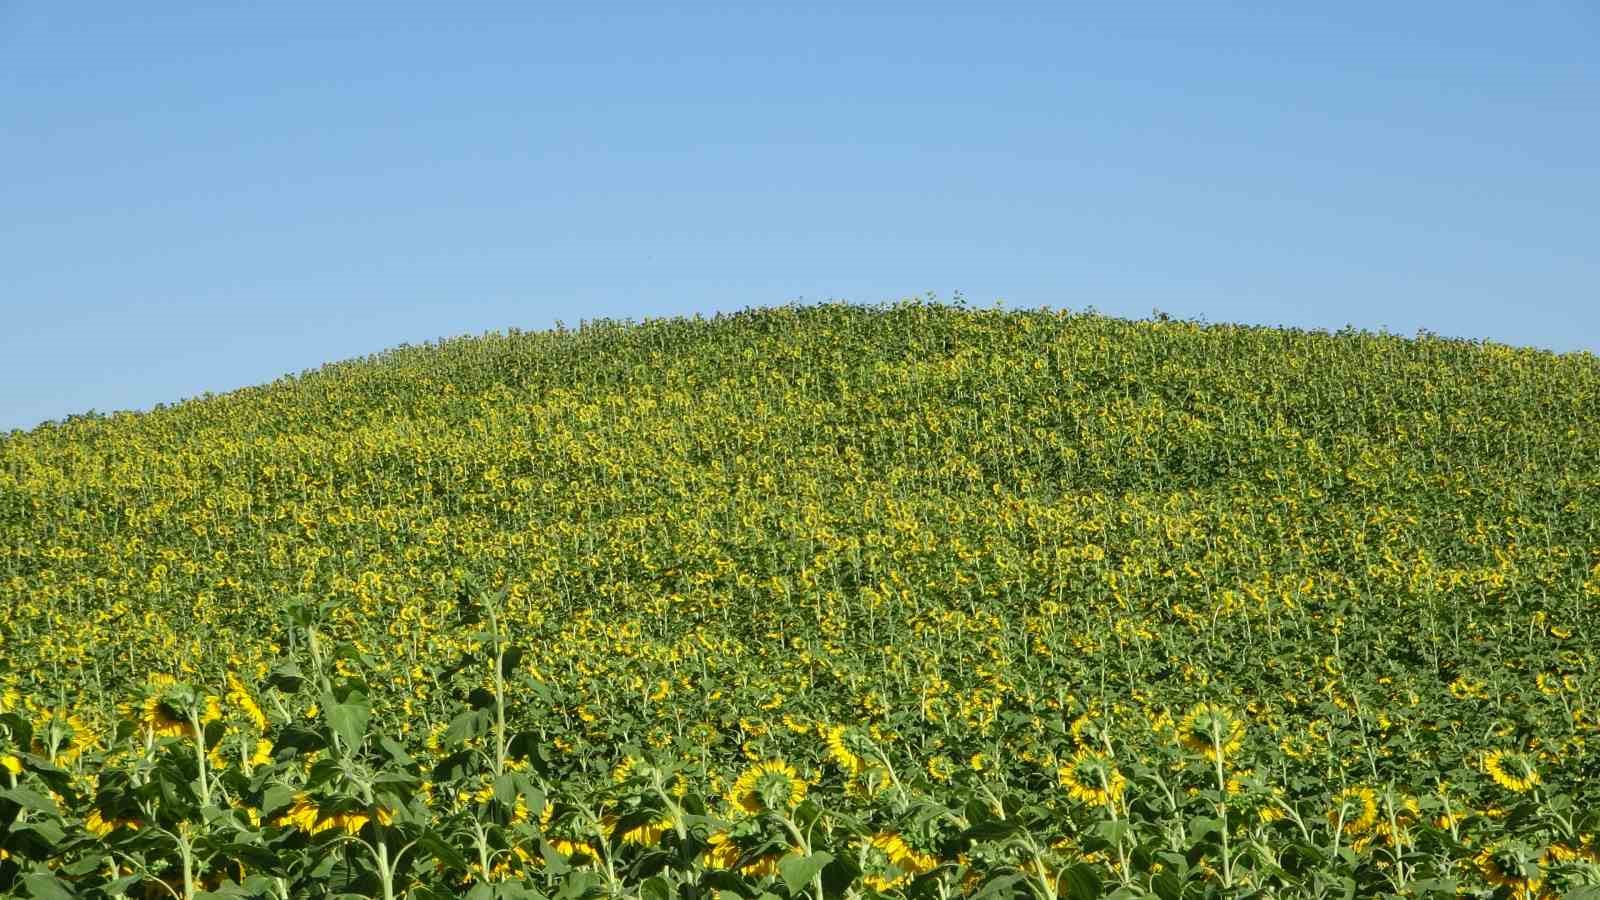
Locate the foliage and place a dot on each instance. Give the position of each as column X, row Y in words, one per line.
column 830, row 601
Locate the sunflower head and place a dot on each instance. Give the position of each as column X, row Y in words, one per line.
column 1214, row 731
column 1510, row 867
column 625, row 769
column 1092, row 777
column 849, row 748
column 770, row 785
column 163, row 707
column 891, row 863
column 1511, row 770
column 1355, row 810
column 1089, row 732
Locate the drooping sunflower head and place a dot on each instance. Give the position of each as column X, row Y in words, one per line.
column 1089, row 731
column 848, row 748
column 1092, row 777
column 160, row 719
column 890, row 862
column 1510, row 867
column 160, row 711
column 724, row 851
column 1211, row 730
column 239, row 698
column 1511, row 770
column 62, row 736
column 625, row 769
column 1355, row 810
column 773, row 784
column 650, row 833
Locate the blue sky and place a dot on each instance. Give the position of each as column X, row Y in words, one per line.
column 201, row 197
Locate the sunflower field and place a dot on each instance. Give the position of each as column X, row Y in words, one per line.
column 914, row 600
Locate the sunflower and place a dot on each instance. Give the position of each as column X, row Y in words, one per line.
column 161, row 720
column 625, row 769
column 647, row 835
column 722, row 852
column 100, row 826
column 240, row 698
column 305, row 815
column 1508, row 868
column 1355, row 810
column 902, row 854
column 839, row 739
column 773, row 784
column 1562, row 852
column 574, row 851
column 63, row 736
column 1211, row 730
column 1088, row 731
column 1093, row 778
column 158, row 715
column 11, row 764
column 890, row 863
column 1511, row 770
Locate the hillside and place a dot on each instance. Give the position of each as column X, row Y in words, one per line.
column 1074, row 601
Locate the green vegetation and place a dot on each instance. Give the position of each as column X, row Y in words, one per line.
column 817, row 602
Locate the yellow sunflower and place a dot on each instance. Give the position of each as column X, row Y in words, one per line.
column 902, row 854
column 1087, row 731
column 1585, row 851
column 840, row 752
column 1507, row 868
column 1093, row 778
column 306, row 816
column 773, row 784
column 723, row 853
column 100, row 826
column 1355, row 809
column 1511, row 770
column 890, row 863
column 1211, row 730
column 647, row 835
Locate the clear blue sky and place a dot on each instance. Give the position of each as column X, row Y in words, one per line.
column 201, row 197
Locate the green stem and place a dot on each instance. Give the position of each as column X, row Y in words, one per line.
column 1222, row 801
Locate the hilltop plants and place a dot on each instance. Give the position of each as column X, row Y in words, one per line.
column 828, row 602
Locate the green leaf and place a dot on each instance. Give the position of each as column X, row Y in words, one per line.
column 45, row 887
column 302, row 740
column 509, row 661
column 469, row 724
column 396, row 751
column 278, row 797
column 28, row 799
column 655, row 888
column 799, row 871
column 505, row 789
column 1081, row 883
column 994, row 830
column 577, row 885
column 442, row 851
column 1004, row 886
column 35, row 840
column 286, row 677
column 348, row 719
column 1167, row 886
